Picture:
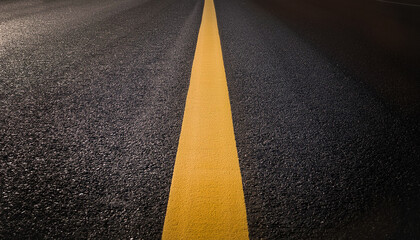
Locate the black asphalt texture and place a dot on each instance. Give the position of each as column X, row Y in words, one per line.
column 322, row 155
column 373, row 40
column 92, row 98
column 92, row 95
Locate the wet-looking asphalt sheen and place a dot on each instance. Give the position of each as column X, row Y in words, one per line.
column 92, row 99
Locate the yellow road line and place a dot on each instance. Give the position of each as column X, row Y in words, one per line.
column 206, row 200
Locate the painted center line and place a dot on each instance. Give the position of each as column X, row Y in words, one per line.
column 206, row 199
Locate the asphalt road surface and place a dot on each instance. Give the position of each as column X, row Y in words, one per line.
column 92, row 95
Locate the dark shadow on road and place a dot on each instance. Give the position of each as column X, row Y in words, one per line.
column 377, row 42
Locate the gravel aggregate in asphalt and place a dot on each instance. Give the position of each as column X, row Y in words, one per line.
column 321, row 155
column 92, row 97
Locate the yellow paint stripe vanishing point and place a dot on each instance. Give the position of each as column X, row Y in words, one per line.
column 206, row 199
